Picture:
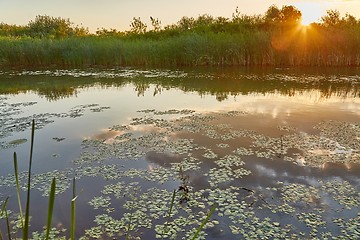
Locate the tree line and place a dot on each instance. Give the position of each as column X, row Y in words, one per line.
column 273, row 38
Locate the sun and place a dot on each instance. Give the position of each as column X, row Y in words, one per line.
column 311, row 12
column 308, row 19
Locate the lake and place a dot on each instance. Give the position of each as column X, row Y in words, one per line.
column 275, row 151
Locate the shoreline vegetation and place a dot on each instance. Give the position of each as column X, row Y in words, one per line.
column 276, row 38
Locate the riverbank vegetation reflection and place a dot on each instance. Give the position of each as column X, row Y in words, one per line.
column 276, row 151
column 222, row 83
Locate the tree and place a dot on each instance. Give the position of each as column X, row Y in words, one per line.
column 272, row 14
column 52, row 27
column 46, row 26
column 287, row 15
column 156, row 24
column 12, row 30
column 290, row 14
column 349, row 20
column 332, row 18
column 137, row 26
column 186, row 23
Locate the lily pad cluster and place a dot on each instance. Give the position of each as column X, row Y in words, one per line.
column 13, row 121
column 164, row 170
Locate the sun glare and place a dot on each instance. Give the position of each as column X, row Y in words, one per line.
column 311, row 12
column 306, row 22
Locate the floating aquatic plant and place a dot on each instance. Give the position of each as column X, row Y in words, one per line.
column 180, row 139
column 229, row 161
column 100, row 202
column 343, row 192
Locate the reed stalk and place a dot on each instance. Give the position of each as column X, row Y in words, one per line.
column 51, row 207
column 170, row 211
column 210, row 213
column 27, row 213
column 18, row 190
column 73, row 212
column 4, row 211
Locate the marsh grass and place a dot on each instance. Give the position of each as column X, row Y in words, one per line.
column 250, row 46
column 18, row 190
column 25, row 220
column 73, row 212
column 165, row 229
column 50, row 208
column 208, row 216
column 27, row 211
column 4, row 212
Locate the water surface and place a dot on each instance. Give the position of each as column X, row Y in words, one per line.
column 276, row 150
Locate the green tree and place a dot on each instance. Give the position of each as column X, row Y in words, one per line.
column 331, row 19
column 46, row 26
column 349, row 20
column 156, row 24
column 272, row 14
column 287, row 15
column 9, row 30
column 137, row 26
column 186, row 23
column 290, row 14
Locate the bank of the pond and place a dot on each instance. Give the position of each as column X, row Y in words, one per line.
column 276, row 38
column 251, row 46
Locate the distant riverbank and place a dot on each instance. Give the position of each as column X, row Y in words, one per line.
column 275, row 39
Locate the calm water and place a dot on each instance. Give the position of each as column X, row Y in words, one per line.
column 277, row 150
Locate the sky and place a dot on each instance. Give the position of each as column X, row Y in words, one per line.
column 118, row 14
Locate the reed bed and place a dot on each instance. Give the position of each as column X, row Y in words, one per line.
column 247, row 48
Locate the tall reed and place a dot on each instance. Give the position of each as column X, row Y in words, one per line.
column 27, row 211
column 210, row 213
column 73, row 212
column 18, row 190
column 249, row 46
column 50, row 208
column 4, row 212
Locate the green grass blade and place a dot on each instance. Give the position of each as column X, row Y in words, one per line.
column 171, row 207
column 73, row 211
column 3, row 210
column 51, row 207
column 18, row 190
column 211, row 212
column 27, row 213
column 170, row 211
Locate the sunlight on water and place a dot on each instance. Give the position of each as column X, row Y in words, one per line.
column 274, row 148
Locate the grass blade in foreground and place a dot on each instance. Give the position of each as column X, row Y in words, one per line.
column 18, row 190
column 27, row 213
column 3, row 210
column 51, row 207
column 73, row 211
column 170, row 210
column 211, row 212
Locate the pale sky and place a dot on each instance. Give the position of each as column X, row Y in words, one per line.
column 118, row 13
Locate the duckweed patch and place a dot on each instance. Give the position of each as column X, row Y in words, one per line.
column 343, row 192
column 13, row 121
column 135, row 201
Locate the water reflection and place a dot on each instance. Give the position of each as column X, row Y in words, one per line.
column 265, row 138
column 220, row 83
